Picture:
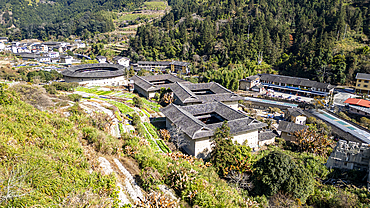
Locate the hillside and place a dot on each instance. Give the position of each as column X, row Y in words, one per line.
column 298, row 38
column 44, row 19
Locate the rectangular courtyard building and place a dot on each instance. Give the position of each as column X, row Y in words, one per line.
column 198, row 93
column 149, row 85
column 199, row 122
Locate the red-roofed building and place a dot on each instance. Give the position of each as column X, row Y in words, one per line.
column 359, row 102
column 358, row 106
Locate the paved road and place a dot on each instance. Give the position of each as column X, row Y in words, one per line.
column 340, row 97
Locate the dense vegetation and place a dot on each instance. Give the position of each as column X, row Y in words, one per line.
column 43, row 159
column 321, row 40
column 59, row 17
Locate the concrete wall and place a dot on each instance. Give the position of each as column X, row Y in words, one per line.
column 115, row 81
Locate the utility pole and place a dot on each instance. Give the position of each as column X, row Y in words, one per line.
column 249, row 26
column 338, row 36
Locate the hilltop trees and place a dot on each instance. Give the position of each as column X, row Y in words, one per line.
column 299, row 38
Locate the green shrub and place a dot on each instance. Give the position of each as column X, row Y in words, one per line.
column 75, row 97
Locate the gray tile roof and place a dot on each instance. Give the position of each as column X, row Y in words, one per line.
column 94, row 71
column 366, row 110
column 295, row 81
column 251, row 78
column 144, row 81
column 363, row 76
column 183, row 117
column 179, row 63
column 290, row 127
column 119, row 58
column 184, row 91
column 295, row 112
column 166, row 63
column 266, row 135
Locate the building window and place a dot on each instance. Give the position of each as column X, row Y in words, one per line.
column 366, row 81
column 365, row 85
column 359, row 80
column 358, row 85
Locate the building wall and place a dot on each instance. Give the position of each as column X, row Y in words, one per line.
column 141, row 91
column 266, row 142
column 116, row 81
column 244, row 85
column 362, row 86
column 249, row 138
column 124, row 62
column 299, row 120
column 358, row 112
column 287, row 136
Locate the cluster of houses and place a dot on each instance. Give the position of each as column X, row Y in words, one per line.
column 198, row 109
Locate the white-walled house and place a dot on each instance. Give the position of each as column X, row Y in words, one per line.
column 96, row 75
column 199, row 122
column 101, row 59
column 124, row 61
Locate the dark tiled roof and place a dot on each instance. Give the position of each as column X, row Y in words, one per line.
column 183, row 117
column 295, row 81
column 179, row 63
column 363, row 76
column 27, row 55
column 166, row 63
column 119, row 58
column 51, row 43
column 295, row 112
column 184, row 92
column 290, row 127
column 144, row 81
column 101, row 57
column 100, row 71
column 251, row 78
column 266, row 135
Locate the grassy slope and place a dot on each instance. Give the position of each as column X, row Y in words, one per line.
column 44, row 148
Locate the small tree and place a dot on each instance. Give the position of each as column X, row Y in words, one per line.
column 311, row 141
column 227, row 156
column 138, row 102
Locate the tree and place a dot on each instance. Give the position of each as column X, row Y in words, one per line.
column 311, row 141
column 278, row 171
column 138, row 102
column 227, row 156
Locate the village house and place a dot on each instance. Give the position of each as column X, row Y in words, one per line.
column 3, row 39
column 124, row 61
column 174, row 66
column 295, row 115
column 358, row 106
column 362, row 83
column 199, row 122
column 179, row 66
column 286, row 84
column 288, row 129
column 148, row 86
column 44, row 59
column 197, row 93
column 101, row 59
column 266, row 138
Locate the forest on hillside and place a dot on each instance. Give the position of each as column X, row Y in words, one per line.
column 27, row 19
column 324, row 40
